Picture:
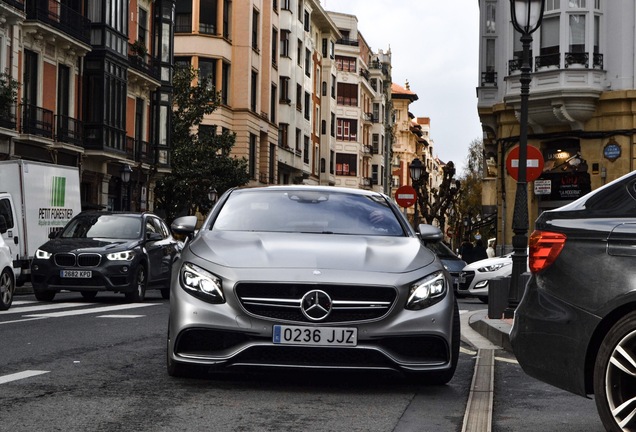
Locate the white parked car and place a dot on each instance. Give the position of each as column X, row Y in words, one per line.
column 7, row 276
column 474, row 278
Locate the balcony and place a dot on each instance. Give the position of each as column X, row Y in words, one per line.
column 364, row 74
column 69, row 130
column 489, row 79
column 367, row 151
column 8, row 117
column 18, row 4
column 348, row 42
column 143, row 63
column 36, row 121
column 61, row 17
column 139, row 151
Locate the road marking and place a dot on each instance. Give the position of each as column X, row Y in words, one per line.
column 91, row 310
column 21, row 320
column 478, row 415
column 21, row 375
column 121, row 316
column 26, row 309
column 467, row 351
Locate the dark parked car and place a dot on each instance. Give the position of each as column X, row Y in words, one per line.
column 451, row 261
column 106, row 251
column 311, row 277
column 575, row 327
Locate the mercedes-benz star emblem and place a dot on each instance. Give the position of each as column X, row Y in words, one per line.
column 316, row 305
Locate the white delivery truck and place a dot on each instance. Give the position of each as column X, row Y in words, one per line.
column 36, row 199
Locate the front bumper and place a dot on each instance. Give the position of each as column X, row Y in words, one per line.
column 550, row 339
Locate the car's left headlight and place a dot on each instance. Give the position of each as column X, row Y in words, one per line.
column 121, row 256
column 201, row 283
column 427, row 291
column 42, row 254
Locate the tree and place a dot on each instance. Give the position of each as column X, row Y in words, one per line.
column 200, row 160
column 435, row 203
column 470, row 202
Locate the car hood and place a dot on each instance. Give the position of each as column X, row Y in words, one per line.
column 318, row 251
column 88, row 245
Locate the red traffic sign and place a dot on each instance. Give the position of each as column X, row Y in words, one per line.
column 534, row 163
column 405, row 196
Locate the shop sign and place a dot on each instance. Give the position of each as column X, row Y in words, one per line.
column 542, row 187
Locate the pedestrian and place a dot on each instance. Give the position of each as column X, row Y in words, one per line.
column 466, row 251
column 490, row 250
column 479, row 251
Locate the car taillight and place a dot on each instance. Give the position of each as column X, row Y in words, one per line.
column 544, row 248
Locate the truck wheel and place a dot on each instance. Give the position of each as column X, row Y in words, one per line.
column 614, row 373
column 139, row 282
column 44, row 295
column 7, row 288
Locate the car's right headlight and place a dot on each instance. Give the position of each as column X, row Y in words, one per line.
column 201, row 283
column 491, row 268
column 427, row 291
column 42, row 254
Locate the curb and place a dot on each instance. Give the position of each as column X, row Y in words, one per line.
column 496, row 331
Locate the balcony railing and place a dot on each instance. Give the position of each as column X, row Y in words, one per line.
column 143, row 63
column 364, row 73
column 577, row 58
column 547, row 60
column 69, row 130
column 8, row 116
column 349, row 42
column 598, row 61
column 60, row 16
column 18, row 4
column 36, row 121
column 489, row 78
column 139, row 151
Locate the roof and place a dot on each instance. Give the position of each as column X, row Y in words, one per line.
column 399, row 92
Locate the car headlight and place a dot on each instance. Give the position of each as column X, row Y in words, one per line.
column 490, row 268
column 43, row 255
column 121, row 256
column 201, row 283
column 427, row 292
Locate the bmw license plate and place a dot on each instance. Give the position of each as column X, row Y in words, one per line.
column 329, row 336
column 84, row 274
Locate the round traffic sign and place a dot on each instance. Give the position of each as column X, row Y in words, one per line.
column 405, row 196
column 534, row 163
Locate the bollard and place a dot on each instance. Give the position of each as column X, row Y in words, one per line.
column 498, row 296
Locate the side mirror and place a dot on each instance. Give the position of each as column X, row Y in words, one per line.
column 54, row 234
column 185, row 225
column 429, row 233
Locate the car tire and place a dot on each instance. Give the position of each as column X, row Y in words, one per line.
column 618, row 348
column 140, row 283
column 44, row 295
column 89, row 295
column 441, row 378
column 7, row 289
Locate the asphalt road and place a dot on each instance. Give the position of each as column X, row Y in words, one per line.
column 75, row 366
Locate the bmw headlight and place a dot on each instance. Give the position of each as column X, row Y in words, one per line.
column 427, row 292
column 121, row 256
column 43, row 255
column 491, row 268
column 201, row 283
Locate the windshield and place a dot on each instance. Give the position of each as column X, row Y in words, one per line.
column 103, row 226
column 308, row 211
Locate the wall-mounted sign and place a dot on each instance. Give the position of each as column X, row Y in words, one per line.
column 542, row 187
column 612, row 150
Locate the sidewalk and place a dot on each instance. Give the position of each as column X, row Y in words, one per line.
column 496, row 331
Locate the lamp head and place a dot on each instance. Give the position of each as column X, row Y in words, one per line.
column 526, row 15
column 415, row 169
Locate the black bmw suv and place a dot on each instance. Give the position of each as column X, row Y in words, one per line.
column 106, row 251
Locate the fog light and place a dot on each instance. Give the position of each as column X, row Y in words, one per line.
column 124, row 269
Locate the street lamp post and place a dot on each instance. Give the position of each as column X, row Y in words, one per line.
column 125, row 178
column 415, row 170
column 213, row 195
column 526, row 19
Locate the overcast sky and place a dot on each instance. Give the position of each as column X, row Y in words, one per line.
column 434, row 45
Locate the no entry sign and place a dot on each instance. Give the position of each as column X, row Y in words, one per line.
column 534, row 163
column 405, row 196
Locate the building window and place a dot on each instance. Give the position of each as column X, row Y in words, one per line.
column 333, row 86
column 255, row 17
column 254, row 90
column 307, row 105
column 284, row 43
column 347, row 94
column 491, row 8
column 273, row 104
column 207, row 71
column 284, row 90
column 225, row 84
column 346, row 64
column 142, row 29
column 375, row 179
column 183, row 17
column 307, row 62
column 252, row 162
column 298, row 135
column 577, row 33
column 299, row 53
column 550, row 54
column 332, row 162
column 306, row 21
column 346, row 164
column 551, row 5
column 299, row 97
column 375, row 143
column 324, row 47
column 274, row 47
column 286, row 5
column 306, row 149
column 283, row 135
column 347, row 130
column 207, row 16
column 227, row 15
column 332, row 125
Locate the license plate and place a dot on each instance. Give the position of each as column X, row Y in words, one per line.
column 84, row 274
column 329, row 336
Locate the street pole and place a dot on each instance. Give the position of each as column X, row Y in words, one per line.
column 526, row 18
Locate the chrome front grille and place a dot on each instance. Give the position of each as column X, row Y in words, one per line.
column 65, row 259
column 349, row 303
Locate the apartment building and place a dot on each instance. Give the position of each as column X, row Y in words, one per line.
column 580, row 104
column 94, row 92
